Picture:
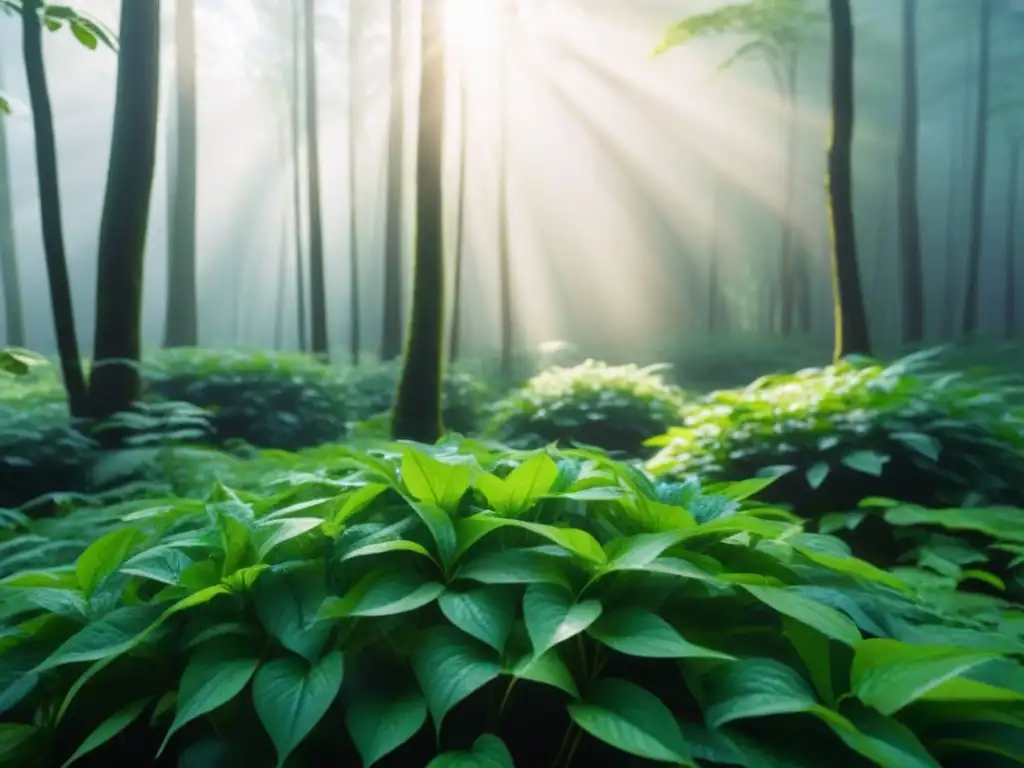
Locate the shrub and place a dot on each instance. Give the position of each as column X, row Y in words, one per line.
column 614, row 408
column 590, row 616
column 857, row 429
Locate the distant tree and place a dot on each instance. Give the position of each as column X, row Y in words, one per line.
column 317, row 278
column 10, row 284
column 116, row 381
column 1012, row 226
column 851, row 324
column 417, row 414
column 454, row 337
column 913, row 303
column 182, row 325
column 391, row 338
column 295, row 108
column 354, row 23
column 506, row 308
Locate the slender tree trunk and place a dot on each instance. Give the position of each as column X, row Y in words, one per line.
column 851, row 323
column 116, row 382
column 50, row 210
column 958, row 162
column 391, row 335
column 418, row 407
column 353, row 181
column 910, row 227
column 979, row 180
column 10, row 284
column 788, row 283
column 182, row 326
column 317, row 284
column 1010, row 278
column 714, row 254
column 460, row 224
column 504, row 246
column 295, row 102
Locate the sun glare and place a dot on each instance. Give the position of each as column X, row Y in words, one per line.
column 471, row 27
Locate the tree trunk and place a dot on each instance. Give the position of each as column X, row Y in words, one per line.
column 116, row 381
column 418, row 407
column 504, row 247
column 851, row 325
column 970, row 319
column 715, row 309
column 460, row 226
column 353, row 181
column 788, row 283
column 182, row 326
column 50, row 210
column 317, row 280
column 910, row 226
column 10, row 284
column 391, row 335
column 1010, row 279
column 295, row 102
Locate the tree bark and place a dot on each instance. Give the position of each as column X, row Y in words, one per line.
column 182, row 325
column 1010, row 278
column 454, row 338
column 10, row 284
column 418, row 412
column 50, row 210
column 317, row 279
column 788, row 281
column 979, row 180
column 507, row 308
column 910, row 225
column 116, row 382
column 295, row 104
column 851, row 326
column 391, row 335
column 353, row 181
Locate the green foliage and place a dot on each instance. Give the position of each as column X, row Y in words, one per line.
column 858, row 429
column 85, row 28
column 18, row 362
column 611, row 407
column 412, row 601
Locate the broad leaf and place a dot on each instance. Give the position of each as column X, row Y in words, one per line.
column 380, row 723
column 553, row 616
column 450, row 666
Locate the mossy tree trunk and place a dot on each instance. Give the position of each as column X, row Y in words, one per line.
column 851, row 325
column 10, row 283
column 50, row 210
column 116, row 382
column 417, row 413
column 182, row 325
column 911, row 269
column 391, row 335
column 317, row 279
column 980, row 178
column 354, row 30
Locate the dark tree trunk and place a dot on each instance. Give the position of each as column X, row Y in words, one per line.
column 50, row 210
column 182, row 326
column 978, row 182
column 788, row 280
column 910, row 226
column 958, row 162
column 1010, row 278
column 391, row 338
column 851, row 331
column 295, row 102
column 460, row 227
column 353, row 181
column 10, row 284
column 317, row 280
column 506, row 306
column 418, row 407
column 116, row 381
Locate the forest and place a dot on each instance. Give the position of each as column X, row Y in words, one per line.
column 509, row 383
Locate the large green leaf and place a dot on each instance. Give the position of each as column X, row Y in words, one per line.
column 826, row 620
column 549, row 669
column 515, row 566
column 553, row 616
column 485, row 612
column 380, row 723
column 636, row 632
column 488, row 752
column 450, row 666
column 109, row 728
column 434, row 482
column 579, row 543
column 104, row 556
column 633, row 720
column 112, row 635
column 754, row 688
column 291, row 696
column 387, row 591
column 287, row 606
column 524, row 486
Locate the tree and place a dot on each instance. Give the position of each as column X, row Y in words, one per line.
column 454, row 337
column 391, row 335
column 1012, row 224
column 851, row 325
column 353, row 178
column 417, row 414
column 317, row 279
column 181, row 329
column 10, row 284
column 116, row 382
column 910, row 227
column 295, row 107
column 504, row 247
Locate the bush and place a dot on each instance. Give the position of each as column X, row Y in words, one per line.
column 592, row 616
column 615, row 408
column 858, row 429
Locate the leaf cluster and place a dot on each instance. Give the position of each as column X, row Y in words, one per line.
column 458, row 605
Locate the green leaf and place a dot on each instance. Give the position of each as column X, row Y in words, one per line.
column 487, row 613
column 636, row 632
column 112, row 635
column 104, row 556
column 866, row 462
column 637, row 552
column 997, row 522
column 514, row 566
column 888, row 675
column 434, row 482
column 633, row 720
column 488, row 752
column 287, row 606
column 821, row 617
column 291, row 696
column 579, row 543
column 927, row 445
column 548, row 669
column 441, row 528
column 753, row 688
column 528, row 483
column 816, row 653
column 215, row 674
column 109, row 728
column 380, row 724
column 553, row 616
column 12, row 737
column 277, row 532
column 817, row 474
column 883, row 740
column 162, row 564
column 450, row 666
column 353, row 505
column 744, row 489
column 386, row 591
